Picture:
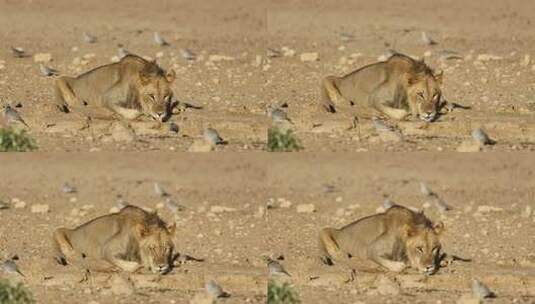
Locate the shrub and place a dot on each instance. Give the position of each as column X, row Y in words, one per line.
column 280, row 140
column 15, row 141
column 281, row 293
column 18, row 294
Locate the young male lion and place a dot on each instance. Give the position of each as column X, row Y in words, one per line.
column 130, row 88
column 394, row 239
column 128, row 240
column 396, row 88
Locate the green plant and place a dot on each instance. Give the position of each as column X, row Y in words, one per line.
column 281, row 293
column 280, row 140
column 17, row 294
column 15, row 141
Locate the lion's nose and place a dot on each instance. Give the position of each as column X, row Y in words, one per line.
column 430, row 269
column 163, row 268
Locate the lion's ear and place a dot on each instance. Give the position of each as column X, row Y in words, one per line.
column 170, row 76
column 172, row 229
column 438, row 76
column 438, row 228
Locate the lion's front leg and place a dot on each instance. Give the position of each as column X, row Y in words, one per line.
column 113, row 252
column 376, row 253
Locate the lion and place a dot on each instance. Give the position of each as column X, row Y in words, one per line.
column 129, row 240
column 130, row 88
column 397, row 88
column 396, row 239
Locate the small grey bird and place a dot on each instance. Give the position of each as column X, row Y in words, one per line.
column 439, row 203
column 121, row 203
column 390, row 52
column 10, row 266
column 4, row 205
column 159, row 40
column 388, row 203
column 212, row 136
column 449, row 55
column 273, row 53
column 187, row 54
column 68, row 188
column 11, row 115
column 122, row 52
column 481, row 291
column 88, row 38
column 275, row 268
column 159, row 190
column 173, row 206
column 278, row 116
column 425, row 190
column 427, row 40
column 213, row 289
column 481, row 137
column 18, row 52
column 46, row 71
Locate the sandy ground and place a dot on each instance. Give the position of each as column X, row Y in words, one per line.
column 489, row 192
column 488, row 224
column 236, row 92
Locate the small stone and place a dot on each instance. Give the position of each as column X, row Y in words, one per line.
column 42, row 57
column 305, row 208
column 285, row 204
column 339, row 199
column 114, row 210
column 469, row 146
column 526, row 60
column 308, row 57
column 221, row 209
column 19, row 204
column 287, row 52
column 527, row 212
column 218, row 58
column 40, row 208
column 121, row 286
column 73, row 199
column 200, row 146
column 487, row 209
column 488, row 57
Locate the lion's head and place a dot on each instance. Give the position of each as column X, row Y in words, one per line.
column 422, row 246
column 156, row 245
column 423, row 91
column 155, row 93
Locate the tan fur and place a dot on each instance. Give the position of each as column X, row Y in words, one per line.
column 128, row 240
column 397, row 88
column 129, row 88
column 396, row 239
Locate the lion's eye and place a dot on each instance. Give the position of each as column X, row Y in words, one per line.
column 151, row 96
column 420, row 249
column 420, row 94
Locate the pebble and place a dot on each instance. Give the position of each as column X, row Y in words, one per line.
column 19, row 204
column 221, row 209
column 218, row 58
column 285, row 204
column 527, row 212
column 308, row 57
column 488, row 57
column 487, row 209
column 305, row 208
column 121, row 286
column 42, row 57
column 287, row 52
column 526, row 60
column 40, row 208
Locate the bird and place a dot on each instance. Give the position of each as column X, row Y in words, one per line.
column 481, row 137
column 427, row 40
column 122, row 52
column 173, row 206
column 46, row 71
column 425, row 190
column 273, row 53
column 18, row 52
column 212, row 136
column 439, row 203
column 11, row 115
column 88, row 38
column 187, row 54
column 480, row 290
column 388, row 203
column 159, row 40
column 68, row 188
column 275, row 268
column 278, row 116
column 159, row 190
column 10, row 266
column 121, row 203
column 213, row 289
column 4, row 205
